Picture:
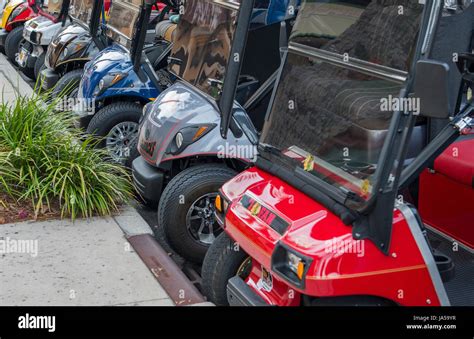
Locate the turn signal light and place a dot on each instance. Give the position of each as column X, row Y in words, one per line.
column 218, row 203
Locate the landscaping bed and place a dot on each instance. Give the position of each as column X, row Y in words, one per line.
column 50, row 169
column 12, row 211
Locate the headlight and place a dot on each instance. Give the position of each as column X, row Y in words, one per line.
column 189, row 135
column 290, row 265
column 108, row 81
column 296, row 264
column 70, row 50
column 179, row 139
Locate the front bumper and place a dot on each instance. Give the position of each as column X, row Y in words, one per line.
column 28, row 62
column 240, row 294
column 148, row 180
column 48, row 78
column 3, row 36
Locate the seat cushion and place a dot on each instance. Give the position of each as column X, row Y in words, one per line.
column 457, row 161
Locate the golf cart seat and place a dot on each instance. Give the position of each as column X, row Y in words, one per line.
column 457, row 161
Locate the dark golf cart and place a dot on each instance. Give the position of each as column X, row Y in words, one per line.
column 323, row 218
column 122, row 78
column 227, row 56
column 75, row 45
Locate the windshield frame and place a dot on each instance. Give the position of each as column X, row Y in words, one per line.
column 392, row 144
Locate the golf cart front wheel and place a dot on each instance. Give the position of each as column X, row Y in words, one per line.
column 68, row 85
column 12, row 42
column 117, row 127
column 224, row 260
column 186, row 209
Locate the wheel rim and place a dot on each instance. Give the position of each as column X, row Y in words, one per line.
column 200, row 221
column 120, row 139
column 245, row 268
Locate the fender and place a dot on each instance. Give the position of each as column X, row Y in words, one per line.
column 73, row 45
column 338, row 265
column 181, row 106
column 112, row 60
column 7, row 11
column 26, row 13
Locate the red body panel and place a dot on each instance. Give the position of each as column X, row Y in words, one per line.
column 448, row 206
column 341, row 265
column 24, row 16
column 446, row 200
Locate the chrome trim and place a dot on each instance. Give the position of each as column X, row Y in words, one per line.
column 384, row 72
column 449, row 238
column 230, row 4
column 425, row 252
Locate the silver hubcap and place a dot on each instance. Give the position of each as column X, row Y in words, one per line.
column 200, row 220
column 120, row 139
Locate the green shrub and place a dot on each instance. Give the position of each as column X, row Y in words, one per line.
column 44, row 159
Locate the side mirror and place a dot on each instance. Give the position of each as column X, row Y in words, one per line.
column 432, row 89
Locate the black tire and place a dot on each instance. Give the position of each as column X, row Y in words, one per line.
column 68, row 84
column 179, row 196
column 222, row 262
column 39, row 65
column 12, row 42
column 110, row 116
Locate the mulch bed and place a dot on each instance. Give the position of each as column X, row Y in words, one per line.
column 11, row 211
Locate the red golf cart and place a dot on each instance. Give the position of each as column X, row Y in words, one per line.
column 12, row 32
column 324, row 218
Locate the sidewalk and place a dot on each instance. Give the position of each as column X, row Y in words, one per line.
column 61, row 263
column 11, row 83
column 88, row 262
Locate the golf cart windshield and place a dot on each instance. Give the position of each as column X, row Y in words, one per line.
column 347, row 62
column 203, row 43
column 82, row 10
column 123, row 17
